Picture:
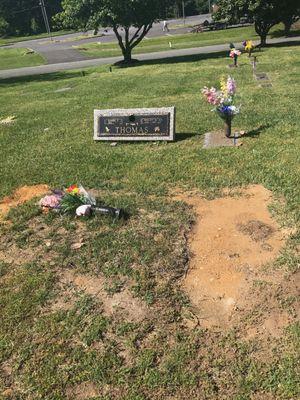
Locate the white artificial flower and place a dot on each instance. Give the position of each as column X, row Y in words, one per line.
column 84, row 210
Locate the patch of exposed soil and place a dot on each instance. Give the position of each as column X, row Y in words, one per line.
column 14, row 255
column 20, row 196
column 82, row 391
column 231, row 242
column 133, row 309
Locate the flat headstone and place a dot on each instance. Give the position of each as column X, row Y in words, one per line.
column 65, row 89
column 261, row 76
column 136, row 124
column 218, row 139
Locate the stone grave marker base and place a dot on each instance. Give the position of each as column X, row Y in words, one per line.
column 218, row 139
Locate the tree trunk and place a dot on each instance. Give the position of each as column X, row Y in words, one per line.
column 263, row 39
column 287, row 27
column 127, row 55
column 262, row 31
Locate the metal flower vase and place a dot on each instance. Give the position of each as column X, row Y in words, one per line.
column 227, row 118
column 227, row 126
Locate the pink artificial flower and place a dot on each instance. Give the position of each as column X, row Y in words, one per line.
column 211, row 95
column 231, row 86
column 50, row 201
column 234, row 52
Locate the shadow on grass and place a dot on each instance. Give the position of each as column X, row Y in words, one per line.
column 280, row 33
column 283, row 44
column 180, row 136
column 180, row 59
column 54, row 76
column 255, row 133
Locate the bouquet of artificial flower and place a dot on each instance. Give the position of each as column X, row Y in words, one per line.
column 76, row 200
column 234, row 52
column 223, row 100
column 249, row 46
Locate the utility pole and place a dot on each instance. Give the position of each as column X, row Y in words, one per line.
column 45, row 16
column 183, row 12
column 209, row 7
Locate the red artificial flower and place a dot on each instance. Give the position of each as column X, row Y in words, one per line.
column 73, row 189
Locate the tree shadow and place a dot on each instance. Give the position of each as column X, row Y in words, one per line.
column 178, row 59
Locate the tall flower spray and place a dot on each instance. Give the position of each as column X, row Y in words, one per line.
column 223, row 100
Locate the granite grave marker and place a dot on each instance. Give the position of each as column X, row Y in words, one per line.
column 138, row 124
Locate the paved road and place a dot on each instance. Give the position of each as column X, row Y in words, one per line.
column 45, row 69
column 61, row 50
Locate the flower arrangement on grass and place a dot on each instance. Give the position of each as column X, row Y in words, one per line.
column 77, row 201
column 223, row 100
column 249, row 46
column 234, row 54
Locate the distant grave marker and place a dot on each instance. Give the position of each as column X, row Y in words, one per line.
column 138, row 124
column 65, row 89
column 261, row 76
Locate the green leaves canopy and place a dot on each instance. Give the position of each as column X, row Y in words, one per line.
column 91, row 14
column 264, row 13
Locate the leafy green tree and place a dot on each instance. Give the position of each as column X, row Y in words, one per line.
column 264, row 13
column 25, row 16
column 289, row 11
column 3, row 26
column 130, row 20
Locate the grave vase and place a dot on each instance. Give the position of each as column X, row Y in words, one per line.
column 227, row 126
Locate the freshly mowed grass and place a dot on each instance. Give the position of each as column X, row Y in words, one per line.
column 53, row 352
column 18, row 58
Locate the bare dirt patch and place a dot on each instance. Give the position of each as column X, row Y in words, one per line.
column 20, row 196
column 14, row 255
column 82, row 391
column 231, row 242
column 133, row 309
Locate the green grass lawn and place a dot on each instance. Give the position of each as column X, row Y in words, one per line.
column 235, row 35
column 58, row 344
column 17, row 58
